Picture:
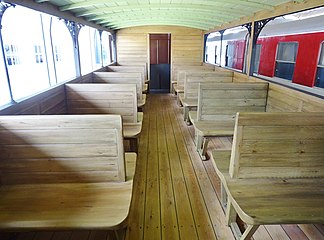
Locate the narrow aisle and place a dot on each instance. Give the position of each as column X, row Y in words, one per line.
column 171, row 185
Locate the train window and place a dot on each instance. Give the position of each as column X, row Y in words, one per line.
column 97, row 43
column 86, row 47
column 233, row 48
column 257, row 58
column 63, row 50
column 229, row 54
column 12, row 54
column 4, row 89
column 105, row 48
column 286, row 59
column 290, row 49
column 320, row 69
column 212, row 50
column 38, row 54
column 94, row 50
column 113, row 50
column 26, row 77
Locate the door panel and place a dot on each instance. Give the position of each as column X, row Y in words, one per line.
column 159, row 63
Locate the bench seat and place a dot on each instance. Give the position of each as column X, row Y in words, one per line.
column 120, row 99
column 271, row 200
column 67, row 206
column 189, row 104
column 206, row 129
column 218, row 104
column 274, row 173
column 64, row 172
column 141, row 102
column 178, row 89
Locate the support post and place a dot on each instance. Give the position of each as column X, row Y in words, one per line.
column 221, row 46
column 74, row 29
column 3, row 7
column 257, row 28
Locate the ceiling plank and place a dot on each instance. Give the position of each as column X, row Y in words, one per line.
column 232, row 11
column 215, row 3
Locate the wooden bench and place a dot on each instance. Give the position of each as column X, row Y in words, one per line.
column 64, row 172
column 100, row 98
column 131, row 69
column 180, row 75
column 136, row 64
column 189, row 99
column 122, row 78
column 218, row 104
column 274, row 173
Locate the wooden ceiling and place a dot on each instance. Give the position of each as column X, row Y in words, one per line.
column 201, row 14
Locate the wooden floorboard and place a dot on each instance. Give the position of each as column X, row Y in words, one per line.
column 176, row 195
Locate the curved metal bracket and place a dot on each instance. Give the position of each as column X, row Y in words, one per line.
column 3, row 7
column 258, row 26
column 74, row 29
column 248, row 26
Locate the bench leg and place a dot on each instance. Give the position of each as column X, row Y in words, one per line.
column 178, row 100
column 133, row 145
column 231, row 221
column 120, row 234
column 204, row 148
column 249, row 231
column 186, row 114
column 230, row 213
column 198, row 141
column 202, row 143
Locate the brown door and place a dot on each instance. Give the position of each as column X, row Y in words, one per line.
column 160, row 62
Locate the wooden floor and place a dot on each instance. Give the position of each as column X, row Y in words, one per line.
column 176, row 194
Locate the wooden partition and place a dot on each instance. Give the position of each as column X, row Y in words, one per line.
column 284, row 99
column 51, row 101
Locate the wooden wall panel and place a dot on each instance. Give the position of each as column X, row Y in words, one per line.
column 283, row 99
column 186, row 45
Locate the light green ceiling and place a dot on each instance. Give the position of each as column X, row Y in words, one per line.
column 201, row 14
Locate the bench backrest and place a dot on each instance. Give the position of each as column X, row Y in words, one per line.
column 181, row 74
column 120, row 78
column 135, row 64
column 129, row 69
column 97, row 98
column 226, row 99
column 61, row 149
column 278, row 145
column 192, row 80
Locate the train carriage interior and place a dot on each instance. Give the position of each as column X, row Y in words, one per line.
column 161, row 119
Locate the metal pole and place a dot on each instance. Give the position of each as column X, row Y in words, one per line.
column 3, row 7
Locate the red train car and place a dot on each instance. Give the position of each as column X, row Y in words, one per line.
column 293, row 50
column 292, row 57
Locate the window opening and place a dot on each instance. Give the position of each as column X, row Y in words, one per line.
column 38, row 54
column 319, row 81
column 286, row 59
column 12, row 54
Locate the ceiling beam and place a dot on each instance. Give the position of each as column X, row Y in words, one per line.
column 165, row 16
column 161, row 20
column 137, row 24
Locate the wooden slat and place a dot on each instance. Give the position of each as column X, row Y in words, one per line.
column 103, row 99
column 44, row 149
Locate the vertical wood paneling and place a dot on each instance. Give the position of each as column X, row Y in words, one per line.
column 186, row 45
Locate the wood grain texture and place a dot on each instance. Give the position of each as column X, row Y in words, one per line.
column 64, row 172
